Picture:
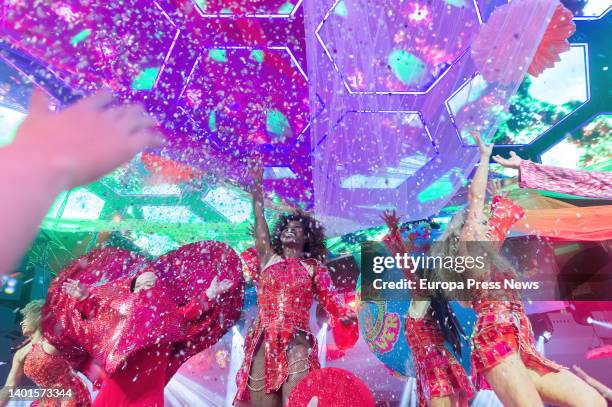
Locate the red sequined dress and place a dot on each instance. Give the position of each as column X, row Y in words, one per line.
column 438, row 373
column 54, row 372
column 502, row 327
column 286, row 289
column 140, row 339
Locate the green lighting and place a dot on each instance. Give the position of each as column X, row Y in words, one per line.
column 153, row 243
column 83, row 205
column 286, row 8
column 80, row 37
column 232, row 203
column 589, row 148
column 340, row 9
column 456, row 3
column 174, row 214
column 212, row 121
column 202, row 4
column 219, row 55
column 257, row 55
column 440, row 188
column 277, row 123
column 145, row 79
column 406, row 67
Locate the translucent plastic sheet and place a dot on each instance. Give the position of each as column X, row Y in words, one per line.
column 401, row 93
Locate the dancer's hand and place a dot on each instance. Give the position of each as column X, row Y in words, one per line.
column 390, row 219
column 485, row 149
column 75, row 289
column 349, row 319
column 217, row 288
column 496, row 187
column 513, row 162
column 84, row 141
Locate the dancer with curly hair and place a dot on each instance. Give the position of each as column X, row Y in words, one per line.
column 280, row 348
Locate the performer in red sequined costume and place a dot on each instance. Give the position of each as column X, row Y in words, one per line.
column 147, row 318
column 44, row 365
column 440, row 379
column 280, row 348
column 503, row 351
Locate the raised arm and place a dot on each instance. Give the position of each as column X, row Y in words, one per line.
column 262, row 232
column 54, row 151
column 14, row 377
column 477, row 193
column 86, row 303
column 200, row 305
column 393, row 240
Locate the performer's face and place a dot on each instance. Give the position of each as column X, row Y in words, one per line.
column 293, row 234
column 145, row 281
column 28, row 327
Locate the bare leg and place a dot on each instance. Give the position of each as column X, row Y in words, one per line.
column 259, row 398
column 566, row 389
column 297, row 357
column 512, row 383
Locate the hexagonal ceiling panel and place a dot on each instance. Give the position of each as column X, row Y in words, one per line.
column 248, row 99
column 589, row 147
column 124, row 44
column 415, row 43
column 537, row 106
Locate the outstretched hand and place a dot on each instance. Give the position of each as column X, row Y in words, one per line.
column 217, row 288
column 513, row 162
column 75, row 289
column 349, row 318
column 391, row 219
column 485, row 149
column 87, row 139
column 496, row 187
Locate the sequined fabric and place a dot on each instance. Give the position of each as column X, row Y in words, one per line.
column 438, row 373
column 114, row 322
column 565, row 181
column 285, row 293
column 54, row 371
column 502, row 327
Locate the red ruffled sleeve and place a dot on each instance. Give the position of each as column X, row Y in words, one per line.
column 565, row 181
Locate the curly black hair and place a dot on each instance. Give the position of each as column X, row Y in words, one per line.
column 314, row 235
